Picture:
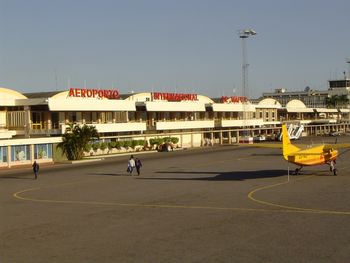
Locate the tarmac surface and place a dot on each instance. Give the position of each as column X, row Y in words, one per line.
column 217, row 204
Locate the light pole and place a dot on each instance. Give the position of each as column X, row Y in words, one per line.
column 346, row 85
column 243, row 35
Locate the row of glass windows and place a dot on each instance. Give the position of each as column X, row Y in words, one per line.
column 22, row 152
column 103, row 117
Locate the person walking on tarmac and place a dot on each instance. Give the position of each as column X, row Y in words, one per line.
column 35, row 169
column 138, row 165
column 131, row 164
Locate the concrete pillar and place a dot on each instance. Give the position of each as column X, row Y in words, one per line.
column 31, row 153
column 8, row 156
column 27, row 121
column 49, row 122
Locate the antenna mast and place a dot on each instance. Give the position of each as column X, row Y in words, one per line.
column 348, row 61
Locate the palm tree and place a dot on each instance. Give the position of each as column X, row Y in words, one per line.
column 337, row 101
column 343, row 100
column 331, row 101
column 75, row 140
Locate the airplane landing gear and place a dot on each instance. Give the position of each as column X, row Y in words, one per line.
column 297, row 171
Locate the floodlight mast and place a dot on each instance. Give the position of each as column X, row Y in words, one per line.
column 243, row 35
column 346, row 85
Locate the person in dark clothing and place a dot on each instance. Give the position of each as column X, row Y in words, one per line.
column 35, row 169
column 138, row 165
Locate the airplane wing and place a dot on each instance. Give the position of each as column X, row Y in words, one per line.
column 263, row 145
column 276, row 145
column 304, row 147
column 310, row 152
column 303, row 154
column 338, row 145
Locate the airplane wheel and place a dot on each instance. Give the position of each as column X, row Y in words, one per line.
column 296, row 172
column 335, row 172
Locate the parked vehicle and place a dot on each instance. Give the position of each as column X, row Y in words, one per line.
column 259, row 138
column 334, row 133
column 166, row 147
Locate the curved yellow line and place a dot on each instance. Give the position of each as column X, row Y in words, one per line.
column 292, row 208
column 18, row 195
column 284, row 208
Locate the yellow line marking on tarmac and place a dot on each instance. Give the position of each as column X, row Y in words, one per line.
column 292, row 208
column 282, row 208
column 18, row 195
column 285, row 209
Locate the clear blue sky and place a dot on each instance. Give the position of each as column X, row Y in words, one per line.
column 184, row 46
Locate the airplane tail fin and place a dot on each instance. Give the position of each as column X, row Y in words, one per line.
column 287, row 146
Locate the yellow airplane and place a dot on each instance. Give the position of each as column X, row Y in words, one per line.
column 317, row 155
column 302, row 155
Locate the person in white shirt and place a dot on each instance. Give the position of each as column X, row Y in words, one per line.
column 131, row 164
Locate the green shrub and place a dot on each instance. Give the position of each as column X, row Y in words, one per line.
column 157, row 141
column 95, row 146
column 174, row 140
column 141, row 142
column 127, row 144
column 134, row 143
column 112, row 145
column 87, row 147
column 167, row 139
column 103, row 146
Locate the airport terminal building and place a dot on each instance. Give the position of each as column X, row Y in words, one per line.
column 310, row 97
column 32, row 124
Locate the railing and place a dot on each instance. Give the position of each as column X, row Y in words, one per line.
column 44, row 131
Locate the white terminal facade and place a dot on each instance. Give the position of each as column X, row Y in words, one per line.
column 32, row 124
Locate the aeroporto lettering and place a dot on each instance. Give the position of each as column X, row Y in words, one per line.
column 93, row 93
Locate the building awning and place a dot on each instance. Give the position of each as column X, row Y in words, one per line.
column 7, row 102
column 344, row 110
column 85, row 104
column 232, row 107
column 300, row 110
column 326, row 110
column 174, row 106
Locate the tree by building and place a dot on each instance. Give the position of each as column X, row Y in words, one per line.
column 75, row 140
column 337, row 101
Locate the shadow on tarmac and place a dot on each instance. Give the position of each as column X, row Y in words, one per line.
column 110, row 174
column 24, row 177
column 229, row 176
column 266, row 154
